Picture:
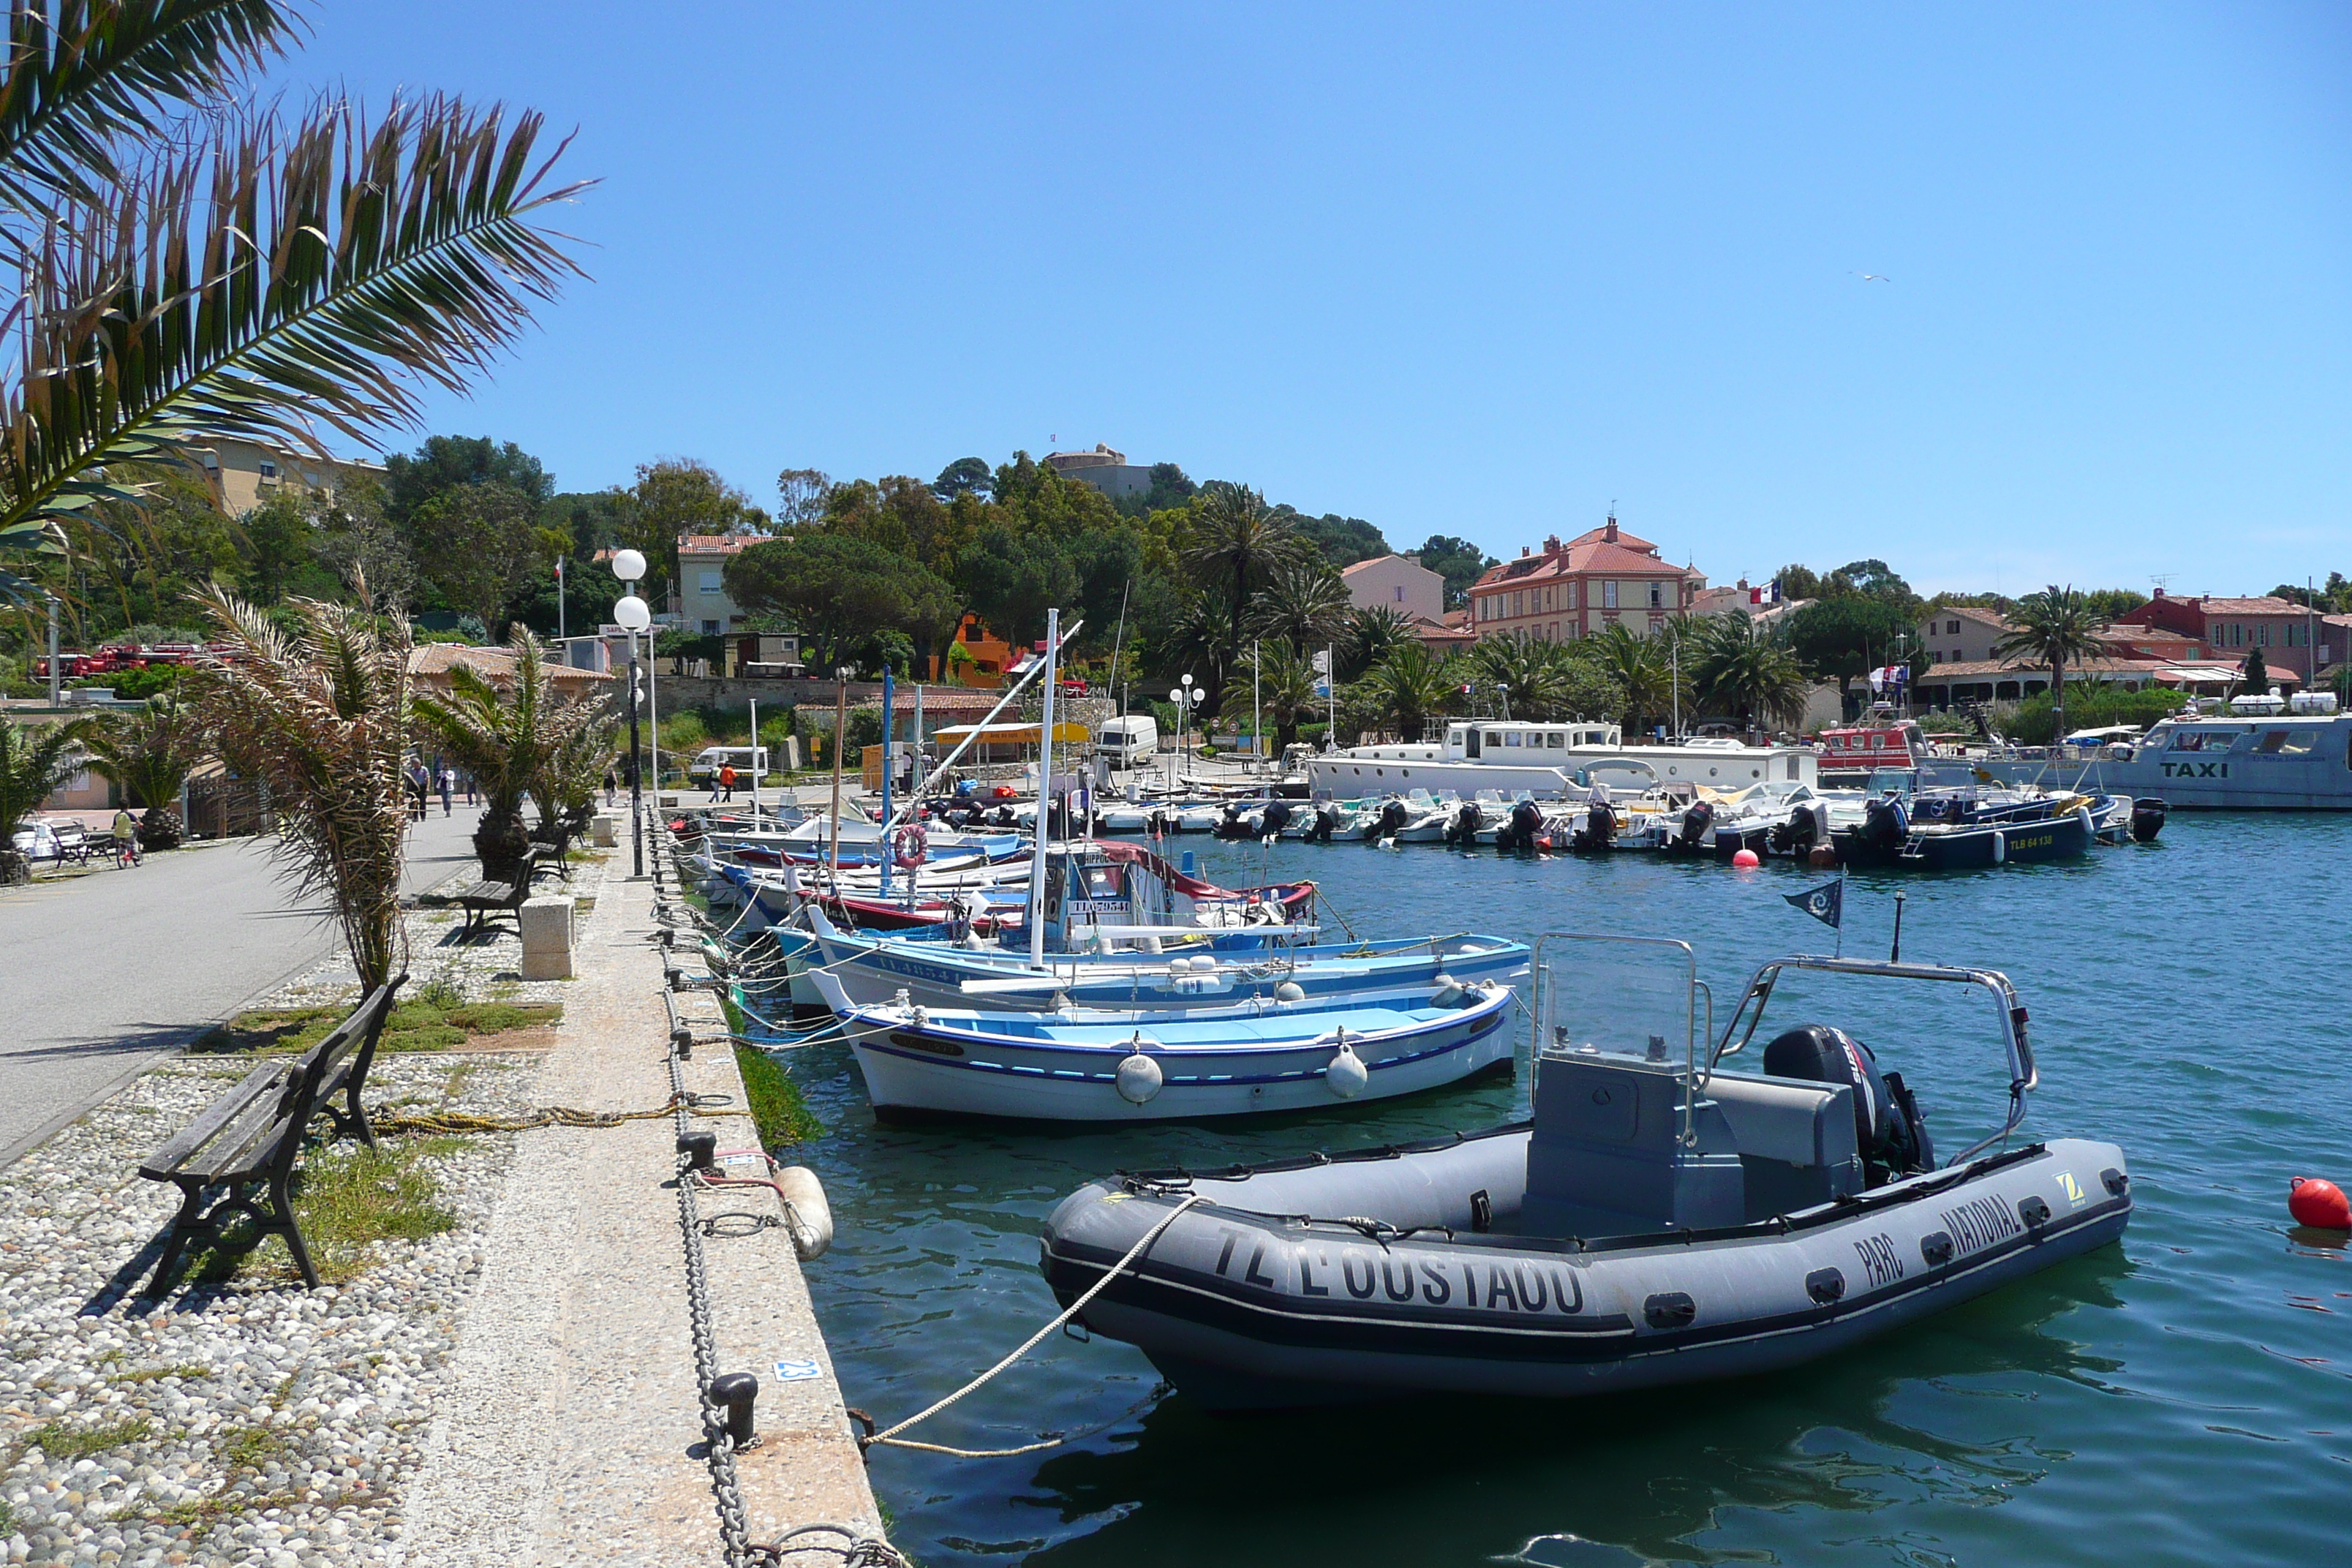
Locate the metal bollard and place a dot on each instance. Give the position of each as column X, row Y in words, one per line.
column 736, row 1391
column 701, row 1152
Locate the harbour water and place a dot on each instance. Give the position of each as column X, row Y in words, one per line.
column 2181, row 1399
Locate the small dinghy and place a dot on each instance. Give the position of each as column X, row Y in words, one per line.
column 1131, row 1065
column 1658, row 1222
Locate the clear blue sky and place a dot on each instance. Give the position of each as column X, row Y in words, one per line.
column 1473, row 271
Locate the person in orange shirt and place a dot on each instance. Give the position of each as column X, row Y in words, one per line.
column 725, row 787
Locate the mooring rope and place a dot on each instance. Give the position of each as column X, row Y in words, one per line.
column 891, row 1438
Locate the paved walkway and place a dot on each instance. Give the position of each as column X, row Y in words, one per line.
column 104, row 972
column 575, row 1437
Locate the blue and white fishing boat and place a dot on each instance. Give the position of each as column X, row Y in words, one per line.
column 1123, row 928
column 1140, row 1065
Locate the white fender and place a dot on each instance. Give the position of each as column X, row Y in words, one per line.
column 1290, row 991
column 1347, row 1074
column 2000, row 847
column 808, row 1216
column 1448, row 992
column 1139, row 1076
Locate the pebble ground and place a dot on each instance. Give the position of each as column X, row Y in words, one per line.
column 252, row 1422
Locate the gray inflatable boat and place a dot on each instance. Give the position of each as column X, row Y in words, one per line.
column 1656, row 1222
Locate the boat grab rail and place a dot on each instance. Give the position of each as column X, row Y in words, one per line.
column 2024, row 1077
column 1695, row 1076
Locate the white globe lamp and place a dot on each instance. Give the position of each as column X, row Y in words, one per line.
column 632, row 614
column 629, row 565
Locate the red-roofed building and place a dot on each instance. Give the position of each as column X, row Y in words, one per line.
column 2229, row 627
column 1602, row 578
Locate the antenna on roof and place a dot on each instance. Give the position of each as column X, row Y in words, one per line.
column 2162, row 580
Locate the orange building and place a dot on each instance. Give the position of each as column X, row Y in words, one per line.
column 989, row 655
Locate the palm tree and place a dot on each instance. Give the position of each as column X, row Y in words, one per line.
column 1284, row 691
column 1304, row 603
column 1644, row 678
column 1196, row 643
column 319, row 713
column 1372, row 632
column 1737, row 668
column 2056, row 628
column 150, row 754
column 574, row 769
column 34, row 761
column 1532, row 672
column 506, row 733
column 188, row 267
column 1234, row 542
column 1409, row 686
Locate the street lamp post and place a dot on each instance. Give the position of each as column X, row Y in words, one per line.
column 633, row 614
column 1183, row 696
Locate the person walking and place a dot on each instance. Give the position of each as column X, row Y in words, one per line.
column 448, row 792
column 612, row 785
column 469, row 787
column 126, row 838
column 418, row 787
column 725, row 789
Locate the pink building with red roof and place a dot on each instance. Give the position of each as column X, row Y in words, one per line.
column 1602, row 578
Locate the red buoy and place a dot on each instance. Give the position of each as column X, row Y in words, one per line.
column 1747, row 860
column 2319, row 1204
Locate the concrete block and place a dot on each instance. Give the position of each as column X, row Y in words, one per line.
column 605, row 830
column 554, row 963
column 546, row 922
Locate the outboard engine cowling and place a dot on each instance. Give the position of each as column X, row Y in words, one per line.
column 1599, row 832
column 1527, row 821
column 1696, row 823
column 1885, row 824
column 1889, row 1126
column 1275, row 818
column 1320, row 830
column 2147, row 820
column 1466, row 821
column 1391, row 819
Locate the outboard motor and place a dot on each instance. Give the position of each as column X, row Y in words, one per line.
column 1467, row 819
column 1326, row 820
column 1696, row 823
column 1391, row 819
column 1231, row 825
column 1889, row 1126
column 2147, row 820
column 1885, row 824
column 1599, row 834
column 1527, row 821
column 1275, row 818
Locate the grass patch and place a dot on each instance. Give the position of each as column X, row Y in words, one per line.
column 157, row 1373
column 59, row 1441
column 415, row 1025
column 777, row 1108
column 346, row 1201
column 250, row 1447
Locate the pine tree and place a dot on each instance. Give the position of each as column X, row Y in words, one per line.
column 2258, row 673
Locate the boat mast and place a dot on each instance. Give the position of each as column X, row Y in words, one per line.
column 881, row 841
column 1044, row 793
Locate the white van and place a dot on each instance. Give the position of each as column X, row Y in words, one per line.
column 1128, row 740
column 749, row 762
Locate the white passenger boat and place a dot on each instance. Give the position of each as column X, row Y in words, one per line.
column 1519, row 757
column 2286, row 761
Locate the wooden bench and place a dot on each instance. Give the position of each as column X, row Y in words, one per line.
column 480, row 900
column 252, row 1136
column 552, row 853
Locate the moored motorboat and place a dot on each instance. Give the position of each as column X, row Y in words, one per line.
column 1659, row 1221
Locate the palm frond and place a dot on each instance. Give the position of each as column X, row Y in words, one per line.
column 34, row 761
column 276, row 281
column 82, row 76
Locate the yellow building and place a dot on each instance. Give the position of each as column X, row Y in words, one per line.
column 250, row 472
